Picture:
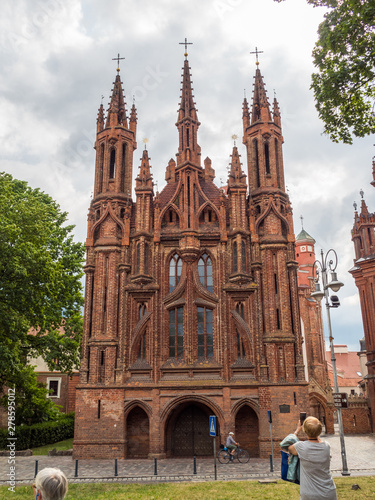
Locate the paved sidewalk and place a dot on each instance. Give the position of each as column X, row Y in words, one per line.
column 360, row 451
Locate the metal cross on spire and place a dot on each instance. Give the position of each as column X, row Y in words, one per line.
column 118, row 59
column 256, row 52
column 186, row 43
column 301, row 221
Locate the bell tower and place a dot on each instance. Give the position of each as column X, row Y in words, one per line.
column 108, row 238
column 273, row 241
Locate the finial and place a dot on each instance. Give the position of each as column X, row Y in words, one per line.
column 361, row 193
column 301, row 221
column 274, row 93
column 157, row 188
column 355, row 206
column 102, row 98
column 244, row 93
column 118, row 59
column 133, row 99
column 234, row 137
column 256, row 52
column 145, row 141
column 186, row 43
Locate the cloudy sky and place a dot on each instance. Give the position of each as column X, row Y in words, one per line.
column 56, row 64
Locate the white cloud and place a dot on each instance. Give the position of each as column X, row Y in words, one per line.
column 56, row 60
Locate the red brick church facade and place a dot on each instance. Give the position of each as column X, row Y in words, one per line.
column 192, row 304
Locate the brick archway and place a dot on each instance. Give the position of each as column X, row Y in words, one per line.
column 137, row 433
column 187, row 431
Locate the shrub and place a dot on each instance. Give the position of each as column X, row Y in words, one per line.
column 32, row 436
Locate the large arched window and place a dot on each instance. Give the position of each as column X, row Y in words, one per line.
column 175, row 269
column 205, row 272
column 205, row 333
column 176, row 332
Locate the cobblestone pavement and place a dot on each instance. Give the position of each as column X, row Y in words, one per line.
column 360, row 452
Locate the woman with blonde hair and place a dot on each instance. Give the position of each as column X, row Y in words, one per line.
column 316, row 481
column 50, row 484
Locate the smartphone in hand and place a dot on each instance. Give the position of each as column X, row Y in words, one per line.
column 302, row 416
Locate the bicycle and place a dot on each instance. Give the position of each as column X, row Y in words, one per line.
column 224, row 455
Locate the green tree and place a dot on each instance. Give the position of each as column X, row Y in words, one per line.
column 40, row 291
column 344, row 56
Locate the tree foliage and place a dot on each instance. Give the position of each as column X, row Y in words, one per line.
column 40, row 288
column 344, row 56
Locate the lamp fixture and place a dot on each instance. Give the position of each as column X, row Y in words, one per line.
column 334, row 284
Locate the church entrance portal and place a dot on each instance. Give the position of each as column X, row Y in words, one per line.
column 188, row 431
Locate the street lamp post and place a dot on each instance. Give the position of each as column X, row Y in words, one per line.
column 321, row 268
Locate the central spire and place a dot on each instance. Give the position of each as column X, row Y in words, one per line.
column 261, row 109
column 187, row 123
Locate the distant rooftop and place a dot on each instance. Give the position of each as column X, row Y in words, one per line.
column 304, row 236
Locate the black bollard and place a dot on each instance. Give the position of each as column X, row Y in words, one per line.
column 195, row 465
column 76, row 469
column 36, row 468
column 271, row 463
column 116, row 472
column 155, row 466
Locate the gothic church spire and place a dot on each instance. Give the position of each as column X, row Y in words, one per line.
column 187, row 123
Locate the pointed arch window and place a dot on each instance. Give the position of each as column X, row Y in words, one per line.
column 240, row 346
column 175, row 269
column 243, row 256
column 240, row 310
column 123, row 164
column 205, row 332
column 256, row 161
column 142, row 310
column 101, row 163
column 277, row 164
column 112, row 163
column 235, row 257
column 142, row 347
column 267, row 158
column 138, row 257
column 176, row 332
column 205, row 272
column 147, row 252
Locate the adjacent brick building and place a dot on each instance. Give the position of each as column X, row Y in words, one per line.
column 192, row 305
column 363, row 236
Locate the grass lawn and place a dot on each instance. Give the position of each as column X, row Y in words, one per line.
column 61, row 445
column 213, row 490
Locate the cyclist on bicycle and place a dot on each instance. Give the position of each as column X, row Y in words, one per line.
column 231, row 445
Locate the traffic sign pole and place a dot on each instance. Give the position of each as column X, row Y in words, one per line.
column 213, row 433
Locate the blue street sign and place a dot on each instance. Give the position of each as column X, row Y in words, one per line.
column 212, row 425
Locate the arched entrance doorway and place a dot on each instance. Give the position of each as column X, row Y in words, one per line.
column 187, row 431
column 317, row 409
column 247, row 430
column 137, row 433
